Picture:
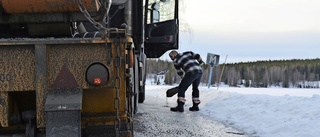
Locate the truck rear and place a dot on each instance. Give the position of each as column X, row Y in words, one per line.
column 77, row 68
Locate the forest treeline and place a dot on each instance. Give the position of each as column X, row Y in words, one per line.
column 301, row 73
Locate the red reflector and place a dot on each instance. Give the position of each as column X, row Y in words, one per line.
column 97, row 81
column 97, row 74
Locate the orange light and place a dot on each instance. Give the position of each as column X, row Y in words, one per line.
column 97, row 81
column 131, row 60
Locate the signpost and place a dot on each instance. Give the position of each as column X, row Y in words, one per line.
column 213, row 60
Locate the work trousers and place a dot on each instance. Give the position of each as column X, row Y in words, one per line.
column 187, row 80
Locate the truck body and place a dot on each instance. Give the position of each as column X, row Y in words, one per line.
column 77, row 68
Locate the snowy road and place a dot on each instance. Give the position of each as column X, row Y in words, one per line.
column 154, row 119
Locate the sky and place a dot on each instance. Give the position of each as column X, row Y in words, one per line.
column 258, row 112
column 251, row 30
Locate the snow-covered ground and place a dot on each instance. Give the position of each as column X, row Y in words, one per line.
column 259, row 112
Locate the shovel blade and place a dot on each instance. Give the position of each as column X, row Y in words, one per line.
column 171, row 92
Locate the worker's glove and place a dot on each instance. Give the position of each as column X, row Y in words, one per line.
column 201, row 63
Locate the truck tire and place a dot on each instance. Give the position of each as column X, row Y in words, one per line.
column 142, row 95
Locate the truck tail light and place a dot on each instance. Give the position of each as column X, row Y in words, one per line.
column 97, row 74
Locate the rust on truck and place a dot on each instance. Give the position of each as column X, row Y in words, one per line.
column 23, row 61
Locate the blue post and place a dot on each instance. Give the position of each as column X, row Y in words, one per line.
column 209, row 82
column 210, row 75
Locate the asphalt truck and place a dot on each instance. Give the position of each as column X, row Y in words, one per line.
column 71, row 68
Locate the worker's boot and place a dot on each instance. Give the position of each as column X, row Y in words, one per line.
column 195, row 105
column 179, row 107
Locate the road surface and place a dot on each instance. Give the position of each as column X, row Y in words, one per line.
column 154, row 119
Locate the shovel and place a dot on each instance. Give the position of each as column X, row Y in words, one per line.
column 172, row 91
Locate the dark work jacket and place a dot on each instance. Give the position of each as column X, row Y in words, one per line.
column 188, row 63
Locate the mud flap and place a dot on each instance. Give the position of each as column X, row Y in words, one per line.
column 63, row 112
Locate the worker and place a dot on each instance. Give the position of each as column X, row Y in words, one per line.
column 188, row 66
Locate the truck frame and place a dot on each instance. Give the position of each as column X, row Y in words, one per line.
column 77, row 68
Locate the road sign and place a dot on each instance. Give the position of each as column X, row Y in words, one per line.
column 213, row 59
